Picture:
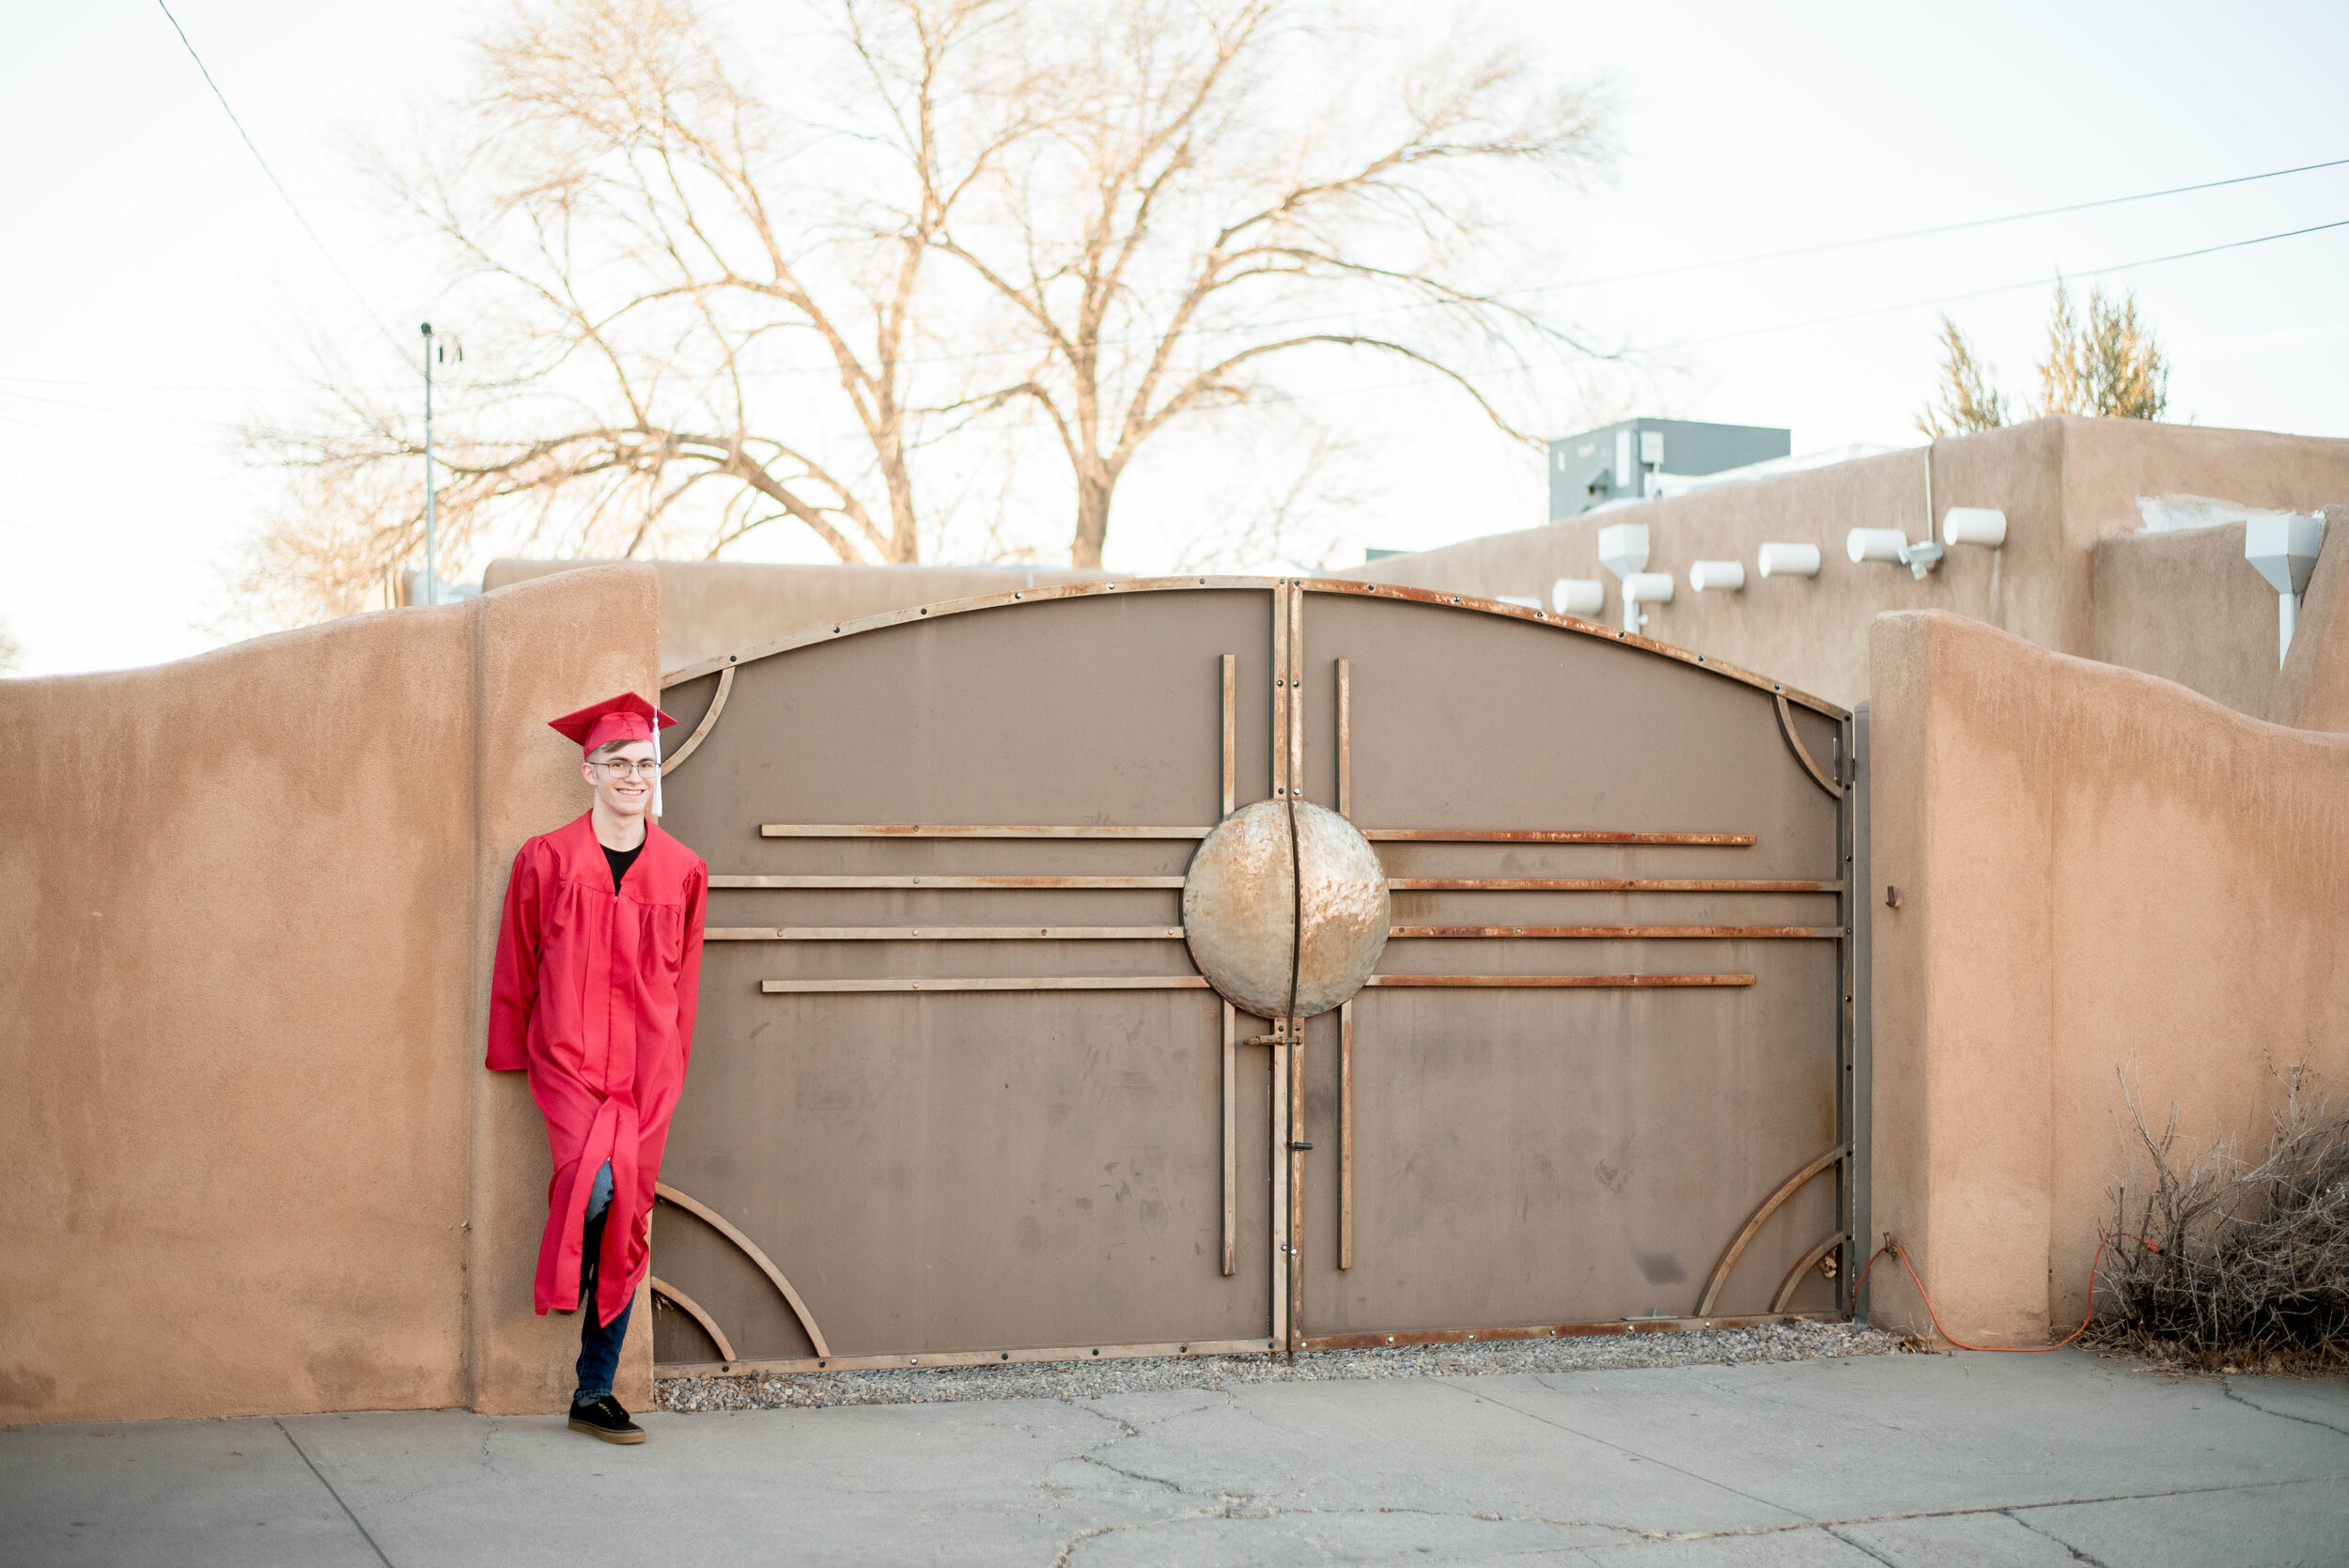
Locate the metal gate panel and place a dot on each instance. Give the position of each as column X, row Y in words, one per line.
column 969, row 1171
column 1560, row 1155
column 959, row 1093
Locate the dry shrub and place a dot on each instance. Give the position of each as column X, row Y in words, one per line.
column 2253, row 1266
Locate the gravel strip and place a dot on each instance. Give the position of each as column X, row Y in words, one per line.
column 1779, row 1341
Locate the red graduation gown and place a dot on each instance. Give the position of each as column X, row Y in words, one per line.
column 593, row 996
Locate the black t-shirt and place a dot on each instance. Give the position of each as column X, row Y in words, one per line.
column 621, row 860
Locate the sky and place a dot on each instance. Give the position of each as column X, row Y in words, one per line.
column 161, row 296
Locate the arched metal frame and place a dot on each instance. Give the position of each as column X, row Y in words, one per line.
column 1288, row 655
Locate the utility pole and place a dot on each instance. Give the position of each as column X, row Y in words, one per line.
column 431, row 565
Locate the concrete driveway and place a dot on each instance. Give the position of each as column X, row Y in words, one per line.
column 2020, row 1460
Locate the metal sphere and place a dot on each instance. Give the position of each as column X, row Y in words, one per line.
column 1250, row 930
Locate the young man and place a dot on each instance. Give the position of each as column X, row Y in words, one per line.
column 598, row 960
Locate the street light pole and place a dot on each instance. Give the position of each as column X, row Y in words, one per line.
column 431, row 564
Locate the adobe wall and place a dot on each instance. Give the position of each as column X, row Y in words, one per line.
column 2067, row 483
column 713, row 607
column 2099, row 872
column 2313, row 688
column 253, row 1155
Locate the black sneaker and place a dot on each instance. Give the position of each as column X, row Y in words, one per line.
column 605, row 1419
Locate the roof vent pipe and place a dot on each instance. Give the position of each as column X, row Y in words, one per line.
column 2282, row 548
column 1874, row 544
column 1891, row 547
column 1578, row 595
column 1643, row 587
column 1974, row 525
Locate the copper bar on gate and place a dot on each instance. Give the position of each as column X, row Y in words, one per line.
column 1280, row 1119
column 937, row 829
column 1559, row 1330
column 942, row 933
column 1592, row 982
column 1547, row 835
column 1280, row 690
column 1346, row 738
column 966, row 1357
column 993, row 983
column 1602, row 932
column 1032, row 883
column 1231, row 1136
column 1296, row 1185
column 1296, row 692
column 1230, row 747
column 1596, row 884
column 1346, row 1133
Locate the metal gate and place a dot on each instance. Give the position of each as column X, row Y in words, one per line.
column 1537, row 934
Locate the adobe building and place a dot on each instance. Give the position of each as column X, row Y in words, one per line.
column 2123, row 544
column 1746, row 979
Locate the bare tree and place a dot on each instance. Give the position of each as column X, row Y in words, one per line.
column 1199, row 204
column 713, row 305
column 1967, row 401
column 684, row 288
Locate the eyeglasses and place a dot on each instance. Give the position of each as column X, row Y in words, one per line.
column 624, row 769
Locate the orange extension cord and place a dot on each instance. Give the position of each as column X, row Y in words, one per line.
column 2101, row 1242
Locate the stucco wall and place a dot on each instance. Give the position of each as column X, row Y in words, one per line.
column 2065, row 484
column 253, row 1157
column 2186, row 606
column 2099, row 872
column 713, row 607
column 2313, row 688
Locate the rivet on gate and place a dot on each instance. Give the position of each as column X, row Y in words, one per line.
column 924, row 611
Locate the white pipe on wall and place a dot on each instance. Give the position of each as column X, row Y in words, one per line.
column 1718, row 576
column 1788, row 560
column 1578, row 595
column 1974, row 525
column 1875, row 544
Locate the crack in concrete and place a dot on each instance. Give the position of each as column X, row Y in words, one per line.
column 2007, row 1509
column 2077, row 1555
column 2227, row 1389
column 1247, row 1506
column 370, row 1539
column 1862, row 1547
column 1644, row 1458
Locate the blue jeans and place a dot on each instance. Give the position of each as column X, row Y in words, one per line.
column 599, row 1344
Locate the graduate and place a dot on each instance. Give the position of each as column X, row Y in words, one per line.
column 598, row 963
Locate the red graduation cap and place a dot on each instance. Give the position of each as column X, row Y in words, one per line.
column 625, row 717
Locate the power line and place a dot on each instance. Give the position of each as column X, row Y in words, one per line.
column 284, row 194
column 1846, row 315
column 1927, row 233
column 2006, row 288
